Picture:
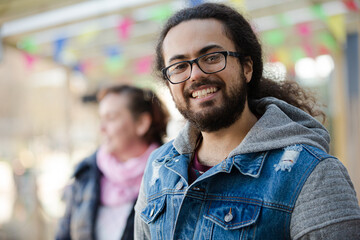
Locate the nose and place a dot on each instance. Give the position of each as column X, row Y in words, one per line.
column 196, row 72
column 102, row 127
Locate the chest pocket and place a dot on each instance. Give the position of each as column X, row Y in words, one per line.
column 235, row 219
column 153, row 210
column 153, row 215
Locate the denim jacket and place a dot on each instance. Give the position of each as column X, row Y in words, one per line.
column 254, row 193
column 226, row 201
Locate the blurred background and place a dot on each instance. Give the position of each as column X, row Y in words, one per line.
column 55, row 54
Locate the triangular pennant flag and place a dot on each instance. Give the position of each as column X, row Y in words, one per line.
column 124, row 28
column 303, row 29
column 88, row 34
column 161, row 13
column 28, row 45
column 351, row 5
column 29, row 60
column 113, row 51
column 88, row 65
column 114, row 64
column 318, row 11
column 327, row 40
column 59, row 46
column 239, row 4
column 144, row 65
column 337, row 27
column 274, row 38
column 308, row 49
column 78, row 67
column 194, row 3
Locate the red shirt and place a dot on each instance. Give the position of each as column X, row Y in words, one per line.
column 196, row 169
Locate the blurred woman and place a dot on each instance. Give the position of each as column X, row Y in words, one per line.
column 100, row 201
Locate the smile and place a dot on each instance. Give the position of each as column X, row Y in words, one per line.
column 204, row 92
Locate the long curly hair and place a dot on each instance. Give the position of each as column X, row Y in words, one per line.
column 239, row 30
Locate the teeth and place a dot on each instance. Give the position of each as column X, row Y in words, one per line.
column 204, row 92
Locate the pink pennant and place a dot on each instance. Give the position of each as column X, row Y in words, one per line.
column 144, row 65
column 29, row 60
column 124, row 28
column 87, row 66
column 303, row 29
column 308, row 49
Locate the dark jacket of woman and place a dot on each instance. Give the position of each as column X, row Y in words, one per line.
column 82, row 202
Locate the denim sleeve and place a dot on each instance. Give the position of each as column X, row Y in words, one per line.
column 327, row 207
column 141, row 231
column 63, row 229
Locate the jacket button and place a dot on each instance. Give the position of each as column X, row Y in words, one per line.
column 152, row 212
column 179, row 186
column 228, row 217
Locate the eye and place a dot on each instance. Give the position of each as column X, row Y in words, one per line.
column 212, row 58
column 178, row 68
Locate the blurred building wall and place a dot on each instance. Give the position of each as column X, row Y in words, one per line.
column 352, row 79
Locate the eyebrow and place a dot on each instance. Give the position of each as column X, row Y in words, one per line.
column 200, row 52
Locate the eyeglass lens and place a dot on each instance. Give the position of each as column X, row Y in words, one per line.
column 208, row 63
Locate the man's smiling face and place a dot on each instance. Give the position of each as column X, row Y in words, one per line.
column 210, row 101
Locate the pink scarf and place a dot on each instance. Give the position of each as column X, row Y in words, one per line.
column 121, row 180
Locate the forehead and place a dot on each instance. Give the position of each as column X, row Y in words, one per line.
column 189, row 37
column 112, row 102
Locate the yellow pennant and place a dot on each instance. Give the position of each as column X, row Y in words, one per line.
column 337, row 27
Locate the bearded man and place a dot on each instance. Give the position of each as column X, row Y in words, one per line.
column 252, row 162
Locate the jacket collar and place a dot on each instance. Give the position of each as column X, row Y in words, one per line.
column 247, row 164
column 87, row 164
column 185, row 143
column 250, row 164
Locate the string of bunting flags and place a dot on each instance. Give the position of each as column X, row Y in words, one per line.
column 310, row 42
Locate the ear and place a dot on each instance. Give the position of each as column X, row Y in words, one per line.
column 143, row 124
column 248, row 68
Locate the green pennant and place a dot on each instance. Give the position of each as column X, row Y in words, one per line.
column 161, row 13
column 274, row 38
column 328, row 40
column 114, row 64
column 28, row 45
column 319, row 12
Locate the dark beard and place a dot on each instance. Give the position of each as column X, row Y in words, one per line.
column 220, row 116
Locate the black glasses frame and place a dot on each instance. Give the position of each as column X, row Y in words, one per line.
column 196, row 60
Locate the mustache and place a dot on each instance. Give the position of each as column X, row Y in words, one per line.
column 203, row 82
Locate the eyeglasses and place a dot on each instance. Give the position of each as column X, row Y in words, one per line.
column 208, row 63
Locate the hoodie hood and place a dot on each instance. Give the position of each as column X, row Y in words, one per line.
column 282, row 125
column 279, row 126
